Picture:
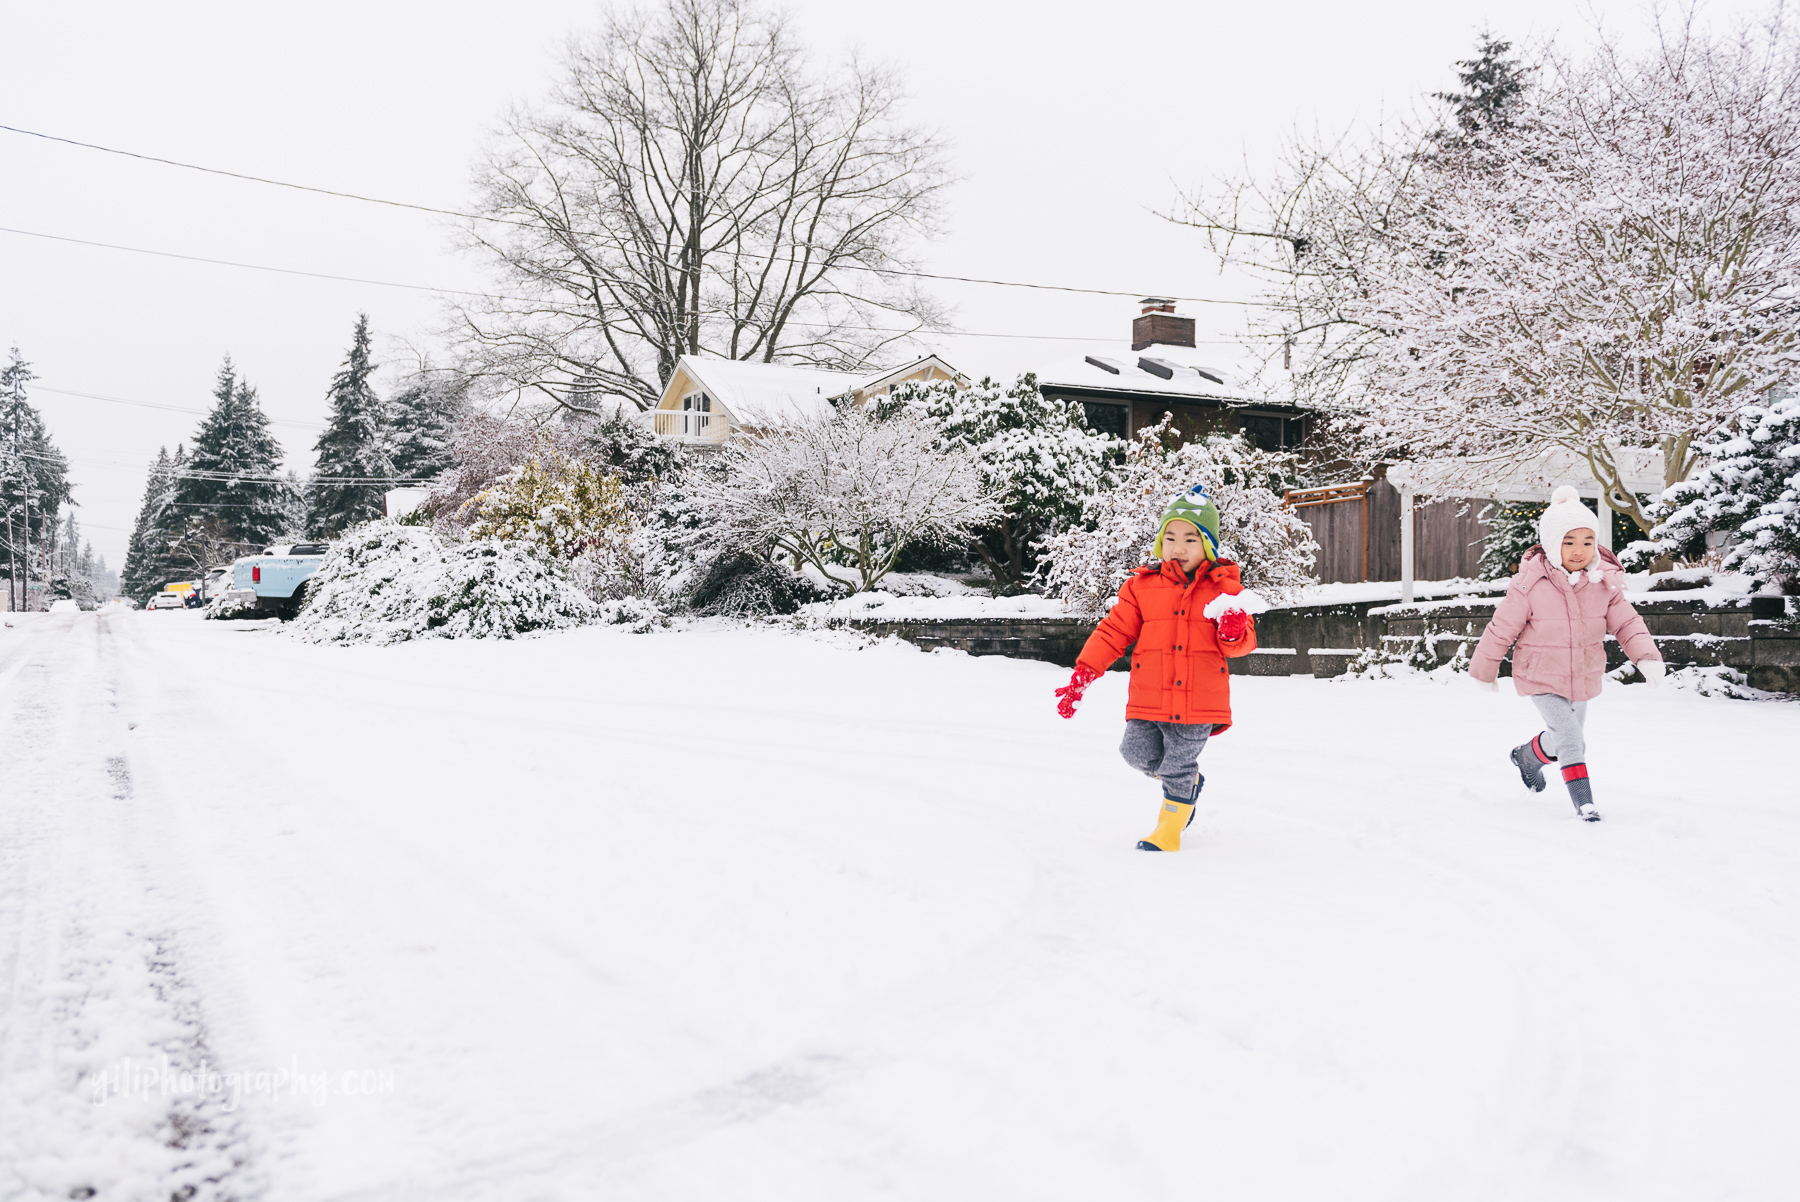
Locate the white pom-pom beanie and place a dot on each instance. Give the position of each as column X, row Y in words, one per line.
column 1566, row 513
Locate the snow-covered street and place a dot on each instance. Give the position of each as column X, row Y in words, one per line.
column 753, row 915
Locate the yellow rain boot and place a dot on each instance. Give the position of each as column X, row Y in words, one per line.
column 1169, row 824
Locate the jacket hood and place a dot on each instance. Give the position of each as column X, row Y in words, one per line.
column 1537, row 565
column 1224, row 573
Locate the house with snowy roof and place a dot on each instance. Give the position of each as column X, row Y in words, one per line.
column 1161, row 370
column 707, row 399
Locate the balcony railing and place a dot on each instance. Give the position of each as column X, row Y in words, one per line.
column 690, row 426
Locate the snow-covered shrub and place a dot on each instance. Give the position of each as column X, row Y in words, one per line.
column 1408, row 655
column 1037, row 455
column 844, row 493
column 1748, row 485
column 386, row 583
column 1272, row 545
column 232, row 605
column 641, row 615
column 558, row 504
column 742, row 584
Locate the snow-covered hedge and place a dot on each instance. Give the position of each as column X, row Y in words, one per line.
column 1270, row 544
column 385, row 583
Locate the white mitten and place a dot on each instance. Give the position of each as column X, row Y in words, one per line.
column 1653, row 671
column 1487, row 686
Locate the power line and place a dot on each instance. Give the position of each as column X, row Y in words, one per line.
column 119, row 400
column 400, row 204
column 244, row 477
column 317, row 275
column 258, row 179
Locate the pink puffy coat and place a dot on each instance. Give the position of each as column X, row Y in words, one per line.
column 1561, row 628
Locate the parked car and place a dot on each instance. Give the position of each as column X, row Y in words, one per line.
column 167, row 601
column 278, row 576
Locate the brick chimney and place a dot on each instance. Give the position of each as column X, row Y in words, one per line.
column 1158, row 323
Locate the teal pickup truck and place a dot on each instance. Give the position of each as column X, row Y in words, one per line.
column 278, row 576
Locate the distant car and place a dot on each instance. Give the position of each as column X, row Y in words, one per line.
column 168, row 601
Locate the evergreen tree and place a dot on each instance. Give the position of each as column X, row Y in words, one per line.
column 1037, row 454
column 1491, row 85
column 618, row 443
column 1512, row 531
column 234, row 463
column 354, row 463
column 422, row 417
column 148, row 564
column 1748, row 487
column 34, row 478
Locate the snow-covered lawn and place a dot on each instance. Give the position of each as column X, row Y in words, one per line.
column 713, row 914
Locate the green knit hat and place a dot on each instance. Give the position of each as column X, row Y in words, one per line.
column 1196, row 507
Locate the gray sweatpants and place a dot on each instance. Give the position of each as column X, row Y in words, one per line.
column 1169, row 751
column 1563, row 720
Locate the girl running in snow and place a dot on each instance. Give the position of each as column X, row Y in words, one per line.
column 1186, row 615
column 1559, row 611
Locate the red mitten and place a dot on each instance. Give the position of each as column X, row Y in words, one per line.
column 1233, row 626
column 1069, row 696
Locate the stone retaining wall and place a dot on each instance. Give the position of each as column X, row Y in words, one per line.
column 1751, row 635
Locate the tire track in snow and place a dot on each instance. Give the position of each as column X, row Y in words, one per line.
column 98, row 1012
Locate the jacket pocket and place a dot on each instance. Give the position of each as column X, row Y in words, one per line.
column 1525, row 662
column 1591, row 655
column 1146, row 687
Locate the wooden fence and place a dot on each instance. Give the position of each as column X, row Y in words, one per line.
column 1357, row 527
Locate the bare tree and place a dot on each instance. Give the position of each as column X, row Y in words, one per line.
column 692, row 187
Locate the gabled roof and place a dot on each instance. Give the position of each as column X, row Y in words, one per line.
column 768, row 392
column 891, row 375
column 754, row 392
column 1172, row 371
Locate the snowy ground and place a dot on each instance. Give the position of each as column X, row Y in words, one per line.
column 714, row 914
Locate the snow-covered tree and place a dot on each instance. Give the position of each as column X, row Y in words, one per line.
column 615, row 439
column 354, row 466
column 1037, row 455
column 230, row 476
column 1608, row 269
column 1615, row 271
column 1492, row 87
column 148, row 564
column 1308, row 226
column 1512, row 530
column 486, row 449
column 1748, row 485
column 34, row 478
column 846, row 493
column 422, row 414
column 1271, row 545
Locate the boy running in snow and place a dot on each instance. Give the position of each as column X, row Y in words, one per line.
column 1559, row 611
column 1186, row 615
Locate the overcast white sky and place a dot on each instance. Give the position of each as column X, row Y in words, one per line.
column 1069, row 123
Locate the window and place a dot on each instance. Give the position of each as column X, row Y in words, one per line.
column 1108, row 419
column 1272, row 433
column 696, row 410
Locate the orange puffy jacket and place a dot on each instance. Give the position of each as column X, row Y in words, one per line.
column 1178, row 669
